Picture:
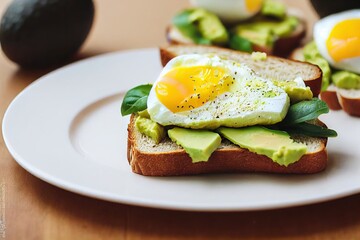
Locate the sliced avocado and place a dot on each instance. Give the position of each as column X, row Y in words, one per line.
column 273, row 9
column 262, row 37
column 144, row 114
column 265, row 32
column 311, row 51
column 286, row 27
column 211, row 28
column 346, row 80
column 184, row 24
column 150, row 128
column 199, row 144
column 296, row 93
column 312, row 55
column 274, row 144
column 201, row 26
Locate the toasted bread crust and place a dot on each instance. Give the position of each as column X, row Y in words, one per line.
column 166, row 54
column 283, row 46
column 335, row 98
column 225, row 160
column 349, row 105
column 331, row 99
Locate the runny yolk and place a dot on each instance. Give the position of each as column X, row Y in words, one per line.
column 344, row 40
column 186, row 88
column 253, row 5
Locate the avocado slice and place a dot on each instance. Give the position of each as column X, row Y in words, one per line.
column 346, row 80
column 211, row 28
column 261, row 37
column 312, row 55
column 144, row 114
column 199, row 144
column 265, row 32
column 274, row 9
column 274, row 144
column 150, row 128
column 202, row 26
column 295, row 90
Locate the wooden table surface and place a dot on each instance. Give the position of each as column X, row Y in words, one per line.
column 35, row 209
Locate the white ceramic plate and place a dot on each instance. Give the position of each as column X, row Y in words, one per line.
column 66, row 129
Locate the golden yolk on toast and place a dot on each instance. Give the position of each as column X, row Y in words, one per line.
column 187, row 88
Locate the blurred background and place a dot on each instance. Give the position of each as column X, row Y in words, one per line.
column 118, row 24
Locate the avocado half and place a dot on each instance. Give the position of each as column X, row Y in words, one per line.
column 41, row 33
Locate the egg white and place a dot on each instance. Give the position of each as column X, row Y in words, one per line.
column 322, row 30
column 251, row 100
column 228, row 10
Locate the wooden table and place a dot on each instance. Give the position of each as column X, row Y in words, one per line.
column 37, row 210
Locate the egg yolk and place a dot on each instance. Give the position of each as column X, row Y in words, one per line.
column 344, row 40
column 186, row 88
column 253, row 5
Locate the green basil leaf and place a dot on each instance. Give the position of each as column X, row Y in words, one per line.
column 240, row 43
column 305, row 111
column 185, row 25
column 135, row 99
column 311, row 130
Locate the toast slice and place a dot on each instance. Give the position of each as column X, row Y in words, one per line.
column 168, row 159
column 349, row 101
column 282, row 46
column 272, row 67
column 336, row 98
column 331, row 98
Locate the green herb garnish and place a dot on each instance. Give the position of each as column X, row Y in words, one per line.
column 240, row 43
column 296, row 120
column 135, row 99
column 311, row 130
column 305, row 111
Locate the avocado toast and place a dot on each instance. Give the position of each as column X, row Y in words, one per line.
column 276, row 130
column 269, row 29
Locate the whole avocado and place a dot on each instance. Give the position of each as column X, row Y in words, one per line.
column 41, row 33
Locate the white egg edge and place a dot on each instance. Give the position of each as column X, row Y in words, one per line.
column 228, row 10
column 322, row 30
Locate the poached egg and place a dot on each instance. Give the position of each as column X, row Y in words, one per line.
column 206, row 91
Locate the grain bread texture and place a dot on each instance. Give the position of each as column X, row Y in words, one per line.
column 282, row 46
column 336, row 98
column 168, row 159
column 272, row 67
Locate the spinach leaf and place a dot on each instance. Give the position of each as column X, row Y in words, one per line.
column 135, row 99
column 311, row 130
column 186, row 26
column 240, row 43
column 305, row 111
column 299, row 113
